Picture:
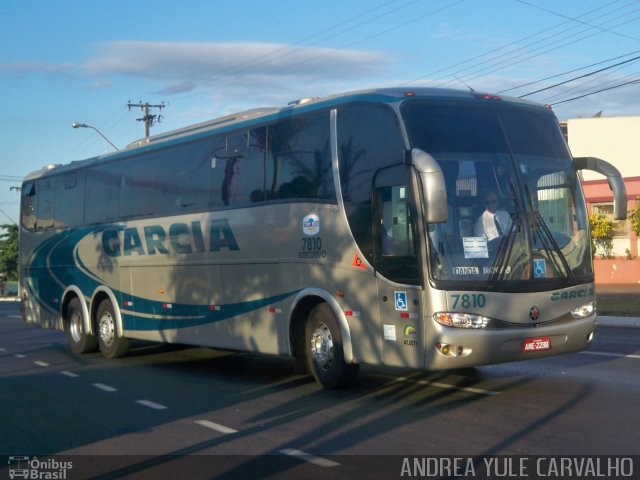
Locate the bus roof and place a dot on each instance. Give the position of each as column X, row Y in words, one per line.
column 256, row 116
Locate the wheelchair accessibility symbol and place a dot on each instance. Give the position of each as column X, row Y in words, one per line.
column 539, row 268
column 401, row 301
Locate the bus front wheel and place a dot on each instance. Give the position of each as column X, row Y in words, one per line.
column 325, row 356
column 80, row 341
column 111, row 345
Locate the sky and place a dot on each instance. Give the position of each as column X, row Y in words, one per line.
column 82, row 61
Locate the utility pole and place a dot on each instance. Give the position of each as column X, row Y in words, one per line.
column 147, row 118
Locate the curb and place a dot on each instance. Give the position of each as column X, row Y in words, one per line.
column 629, row 322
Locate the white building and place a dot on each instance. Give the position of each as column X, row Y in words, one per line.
column 616, row 140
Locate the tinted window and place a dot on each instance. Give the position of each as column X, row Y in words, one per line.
column 185, row 178
column 238, row 173
column 69, row 199
column 140, row 192
column 299, row 158
column 28, row 206
column 368, row 139
column 46, row 202
column 103, row 193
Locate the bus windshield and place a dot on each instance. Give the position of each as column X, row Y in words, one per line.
column 516, row 216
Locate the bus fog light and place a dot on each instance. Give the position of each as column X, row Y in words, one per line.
column 584, row 311
column 461, row 320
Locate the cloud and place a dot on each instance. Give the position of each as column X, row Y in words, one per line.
column 184, row 63
column 20, row 68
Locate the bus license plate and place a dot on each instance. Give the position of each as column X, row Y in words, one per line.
column 536, row 344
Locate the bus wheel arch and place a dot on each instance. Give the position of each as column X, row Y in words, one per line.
column 75, row 318
column 324, row 349
column 107, row 324
column 306, row 307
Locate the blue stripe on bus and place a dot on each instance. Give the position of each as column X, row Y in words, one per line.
column 60, row 248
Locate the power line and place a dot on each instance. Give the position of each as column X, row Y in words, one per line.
column 536, row 52
column 551, row 39
column 576, row 20
column 300, row 44
column 567, row 72
column 597, row 91
column 579, row 77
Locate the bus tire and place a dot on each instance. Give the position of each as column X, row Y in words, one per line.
column 111, row 345
column 80, row 341
column 323, row 346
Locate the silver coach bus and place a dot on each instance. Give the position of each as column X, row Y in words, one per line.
column 431, row 229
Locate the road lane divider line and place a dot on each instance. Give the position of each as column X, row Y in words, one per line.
column 69, row 374
column 3, row 349
column 104, row 388
column 150, row 404
column 15, row 316
column 448, row 386
column 40, row 363
column 215, row 426
column 19, row 355
column 307, row 457
column 607, row 354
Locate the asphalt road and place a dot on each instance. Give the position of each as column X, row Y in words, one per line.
column 242, row 416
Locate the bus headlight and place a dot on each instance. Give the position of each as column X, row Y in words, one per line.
column 461, row 320
column 584, row 311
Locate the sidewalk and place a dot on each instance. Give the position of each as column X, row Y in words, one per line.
column 606, row 321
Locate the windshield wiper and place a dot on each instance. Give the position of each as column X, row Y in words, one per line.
column 547, row 238
column 548, row 242
column 499, row 265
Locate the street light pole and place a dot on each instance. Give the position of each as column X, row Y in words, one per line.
column 84, row 125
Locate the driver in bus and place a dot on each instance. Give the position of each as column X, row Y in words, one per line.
column 493, row 223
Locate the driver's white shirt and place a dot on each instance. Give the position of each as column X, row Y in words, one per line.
column 485, row 226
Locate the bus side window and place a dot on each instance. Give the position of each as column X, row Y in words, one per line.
column 369, row 139
column 103, row 193
column 239, row 177
column 69, row 199
column 299, row 159
column 185, row 178
column 28, row 206
column 46, row 203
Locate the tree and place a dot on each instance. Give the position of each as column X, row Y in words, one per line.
column 9, row 251
column 634, row 218
column 602, row 234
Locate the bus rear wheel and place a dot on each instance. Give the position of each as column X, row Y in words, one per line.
column 80, row 341
column 111, row 345
column 325, row 356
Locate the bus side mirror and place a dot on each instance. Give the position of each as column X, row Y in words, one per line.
column 616, row 183
column 434, row 192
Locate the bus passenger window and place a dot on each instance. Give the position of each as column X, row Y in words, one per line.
column 299, row 159
column 238, row 178
column 185, row 178
column 28, row 206
column 69, row 199
column 103, row 193
column 46, row 203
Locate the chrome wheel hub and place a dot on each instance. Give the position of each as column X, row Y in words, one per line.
column 75, row 326
column 322, row 346
column 106, row 327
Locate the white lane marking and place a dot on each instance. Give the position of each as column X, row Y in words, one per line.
column 19, row 355
column 150, row 404
column 307, row 457
column 41, row 363
column 69, row 374
column 105, row 388
column 448, row 386
column 3, row 349
column 215, row 426
column 606, row 354
column 15, row 316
